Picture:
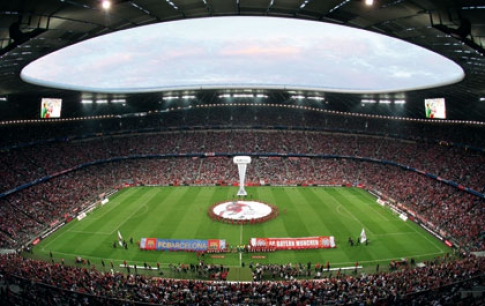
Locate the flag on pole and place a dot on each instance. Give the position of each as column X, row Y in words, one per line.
column 120, row 239
column 363, row 237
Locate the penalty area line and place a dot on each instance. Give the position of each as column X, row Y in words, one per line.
column 144, row 205
column 90, row 233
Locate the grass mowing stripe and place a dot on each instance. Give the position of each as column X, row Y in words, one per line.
column 323, row 207
column 265, row 194
column 296, row 225
column 432, row 240
column 173, row 210
column 354, row 205
column 139, row 208
column 114, row 218
column 114, row 201
column 77, row 242
column 191, row 222
column 206, row 197
column 181, row 213
column 312, row 221
column 147, row 215
column 153, row 225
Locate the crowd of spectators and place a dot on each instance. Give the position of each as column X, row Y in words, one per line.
column 436, row 282
column 354, row 151
column 253, row 115
column 24, row 165
column 83, row 170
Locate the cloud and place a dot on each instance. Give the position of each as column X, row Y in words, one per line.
column 229, row 51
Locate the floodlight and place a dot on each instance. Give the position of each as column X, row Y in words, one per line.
column 317, row 98
column 106, row 4
column 170, row 97
column 118, row 101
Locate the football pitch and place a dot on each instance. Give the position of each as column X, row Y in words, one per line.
column 181, row 213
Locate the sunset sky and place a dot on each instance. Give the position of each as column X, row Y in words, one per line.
column 252, row 52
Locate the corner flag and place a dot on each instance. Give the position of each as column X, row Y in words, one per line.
column 363, row 237
column 120, row 239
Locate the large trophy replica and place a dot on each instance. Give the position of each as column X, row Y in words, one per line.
column 242, row 162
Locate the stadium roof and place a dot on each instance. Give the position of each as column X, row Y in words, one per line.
column 30, row 29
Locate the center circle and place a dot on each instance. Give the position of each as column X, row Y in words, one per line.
column 243, row 211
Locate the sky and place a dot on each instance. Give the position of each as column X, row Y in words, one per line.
column 243, row 52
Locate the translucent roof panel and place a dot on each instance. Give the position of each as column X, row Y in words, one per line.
column 243, row 52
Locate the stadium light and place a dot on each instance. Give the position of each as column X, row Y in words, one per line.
column 316, row 98
column 243, row 95
column 170, row 97
column 86, row 101
column 118, row 101
column 106, row 4
column 304, row 4
column 172, row 4
column 369, row 2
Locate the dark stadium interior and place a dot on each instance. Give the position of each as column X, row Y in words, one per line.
column 455, row 29
column 434, row 169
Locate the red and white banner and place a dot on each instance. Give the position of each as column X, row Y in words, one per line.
column 318, row 242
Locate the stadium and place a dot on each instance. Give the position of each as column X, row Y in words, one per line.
column 242, row 152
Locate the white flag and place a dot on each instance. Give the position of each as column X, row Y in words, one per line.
column 363, row 237
column 120, row 239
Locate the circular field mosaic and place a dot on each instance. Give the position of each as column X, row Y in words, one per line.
column 242, row 212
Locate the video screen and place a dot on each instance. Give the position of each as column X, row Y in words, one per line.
column 50, row 108
column 435, row 108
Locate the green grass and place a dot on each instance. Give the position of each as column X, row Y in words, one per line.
column 181, row 213
column 240, row 274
